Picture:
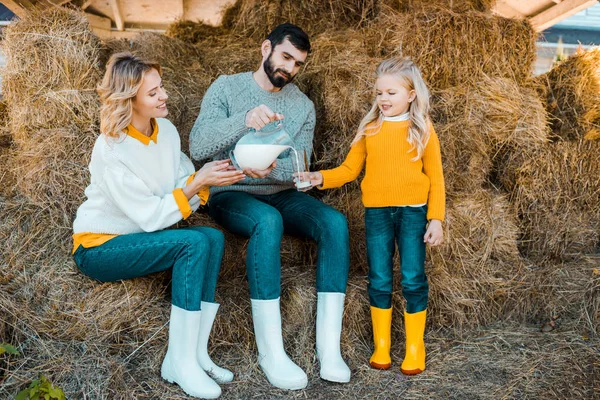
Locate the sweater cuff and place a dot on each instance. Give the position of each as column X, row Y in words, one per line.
column 204, row 193
column 328, row 180
column 435, row 213
column 182, row 202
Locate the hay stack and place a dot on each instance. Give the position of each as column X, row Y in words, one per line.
column 555, row 190
column 53, row 110
column 408, row 6
column 573, row 96
column 257, row 18
column 476, row 125
column 454, row 48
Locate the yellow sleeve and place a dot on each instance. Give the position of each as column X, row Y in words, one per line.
column 350, row 168
column 182, row 202
column 204, row 193
column 432, row 166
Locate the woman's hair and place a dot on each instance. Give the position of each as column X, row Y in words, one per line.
column 121, row 82
column 407, row 72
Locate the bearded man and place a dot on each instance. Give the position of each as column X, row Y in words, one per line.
column 266, row 204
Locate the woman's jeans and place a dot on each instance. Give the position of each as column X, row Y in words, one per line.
column 264, row 219
column 408, row 226
column 195, row 254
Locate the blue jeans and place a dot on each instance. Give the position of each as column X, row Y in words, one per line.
column 407, row 225
column 194, row 253
column 264, row 219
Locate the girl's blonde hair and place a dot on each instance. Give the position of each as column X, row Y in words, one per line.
column 418, row 132
column 121, row 82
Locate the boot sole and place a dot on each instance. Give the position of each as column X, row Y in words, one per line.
column 411, row 371
column 334, row 379
column 380, row 366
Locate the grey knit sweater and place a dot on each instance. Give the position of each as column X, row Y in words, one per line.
column 221, row 124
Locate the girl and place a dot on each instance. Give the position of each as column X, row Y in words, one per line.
column 141, row 183
column 403, row 189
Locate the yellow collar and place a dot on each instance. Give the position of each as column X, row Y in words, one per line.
column 134, row 133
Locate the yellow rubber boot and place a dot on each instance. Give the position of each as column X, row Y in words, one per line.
column 382, row 337
column 414, row 361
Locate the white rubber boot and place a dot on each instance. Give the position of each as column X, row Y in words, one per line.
column 221, row 375
column 330, row 310
column 180, row 365
column 277, row 366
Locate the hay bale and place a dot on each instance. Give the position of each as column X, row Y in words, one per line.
column 477, row 124
column 408, row 6
column 257, row 18
column 53, row 110
column 573, row 96
column 555, row 191
column 474, row 275
column 454, row 48
column 193, row 32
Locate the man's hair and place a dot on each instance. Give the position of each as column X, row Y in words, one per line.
column 291, row 32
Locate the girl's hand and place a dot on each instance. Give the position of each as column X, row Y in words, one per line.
column 435, row 234
column 315, row 178
column 217, row 173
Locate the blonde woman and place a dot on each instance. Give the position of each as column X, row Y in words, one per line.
column 141, row 183
column 404, row 199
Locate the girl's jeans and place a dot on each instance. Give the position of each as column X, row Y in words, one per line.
column 407, row 225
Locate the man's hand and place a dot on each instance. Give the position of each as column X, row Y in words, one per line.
column 260, row 173
column 435, row 234
column 260, row 116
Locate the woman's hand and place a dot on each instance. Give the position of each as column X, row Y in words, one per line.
column 260, row 173
column 215, row 173
column 435, row 234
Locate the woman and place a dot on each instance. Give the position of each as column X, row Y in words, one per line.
column 141, row 183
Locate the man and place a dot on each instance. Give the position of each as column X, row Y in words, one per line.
column 265, row 204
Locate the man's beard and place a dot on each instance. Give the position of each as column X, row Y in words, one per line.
column 278, row 81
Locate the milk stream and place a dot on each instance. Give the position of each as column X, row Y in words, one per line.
column 260, row 156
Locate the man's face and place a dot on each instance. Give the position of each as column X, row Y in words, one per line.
column 283, row 63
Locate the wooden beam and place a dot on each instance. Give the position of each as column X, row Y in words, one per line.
column 98, row 22
column 15, row 7
column 557, row 13
column 504, row 9
column 60, row 3
column 183, row 10
column 114, row 5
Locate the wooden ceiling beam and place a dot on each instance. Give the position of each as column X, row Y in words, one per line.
column 504, row 9
column 557, row 13
column 114, row 5
column 19, row 8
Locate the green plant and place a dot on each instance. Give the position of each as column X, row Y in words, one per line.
column 39, row 389
column 7, row 348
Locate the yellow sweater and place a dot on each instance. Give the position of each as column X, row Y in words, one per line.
column 391, row 178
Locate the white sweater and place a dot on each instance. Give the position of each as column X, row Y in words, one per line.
column 136, row 186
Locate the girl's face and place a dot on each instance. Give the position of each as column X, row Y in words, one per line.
column 150, row 100
column 392, row 97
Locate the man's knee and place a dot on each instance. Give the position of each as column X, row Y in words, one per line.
column 269, row 223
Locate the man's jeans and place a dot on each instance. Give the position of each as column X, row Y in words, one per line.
column 195, row 254
column 264, row 219
column 408, row 226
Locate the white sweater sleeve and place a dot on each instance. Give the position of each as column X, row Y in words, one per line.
column 149, row 211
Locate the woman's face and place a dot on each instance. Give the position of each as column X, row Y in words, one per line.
column 151, row 98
